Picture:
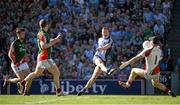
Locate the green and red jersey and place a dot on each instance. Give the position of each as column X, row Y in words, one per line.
column 19, row 51
column 43, row 53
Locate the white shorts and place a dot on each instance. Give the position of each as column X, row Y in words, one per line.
column 148, row 77
column 21, row 67
column 45, row 64
column 95, row 57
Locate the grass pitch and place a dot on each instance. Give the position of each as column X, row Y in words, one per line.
column 88, row 100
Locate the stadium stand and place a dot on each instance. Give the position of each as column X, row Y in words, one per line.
column 130, row 21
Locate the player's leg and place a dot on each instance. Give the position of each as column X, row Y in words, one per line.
column 56, row 74
column 25, row 71
column 101, row 64
column 18, row 71
column 96, row 73
column 157, row 84
column 24, row 74
column 19, row 77
column 134, row 72
column 28, row 80
column 38, row 72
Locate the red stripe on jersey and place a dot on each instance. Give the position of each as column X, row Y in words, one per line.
column 148, row 52
column 156, row 70
column 41, row 37
column 43, row 55
column 14, row 56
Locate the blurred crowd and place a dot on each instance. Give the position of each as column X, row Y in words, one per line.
column 80, row 21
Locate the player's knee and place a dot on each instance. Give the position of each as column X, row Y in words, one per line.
column 57, row 73
column 133, row 70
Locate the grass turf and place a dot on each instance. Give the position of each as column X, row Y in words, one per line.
column 88, row 100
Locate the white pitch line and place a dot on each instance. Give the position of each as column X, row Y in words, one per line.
column 41, row 102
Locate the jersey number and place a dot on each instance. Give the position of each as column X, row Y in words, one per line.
column 155, row 60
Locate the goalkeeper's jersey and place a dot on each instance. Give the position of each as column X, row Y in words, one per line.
column 152, row 59
column 43, row 53
column 103, row 53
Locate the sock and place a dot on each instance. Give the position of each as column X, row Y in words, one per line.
column 167, row 90
column 58, row 90
column 26, row 92
column 129, row 82
column 23, row 82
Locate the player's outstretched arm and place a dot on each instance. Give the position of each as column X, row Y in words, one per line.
column 52, row 41
column 60, row 36
column 131, row 61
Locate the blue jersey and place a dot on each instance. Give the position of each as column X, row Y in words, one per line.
column 103, row 53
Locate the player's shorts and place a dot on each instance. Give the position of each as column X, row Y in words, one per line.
column 95, row 57
column 148, row 76
column 21, row 67
column 45, row 63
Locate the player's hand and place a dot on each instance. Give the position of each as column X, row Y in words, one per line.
column 59, row 36
column 123, row 65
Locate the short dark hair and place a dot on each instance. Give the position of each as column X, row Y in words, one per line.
column 105, row 28
column 155, row 39
column 43, row 23
column 18, row 30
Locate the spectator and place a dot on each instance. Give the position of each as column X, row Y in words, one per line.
column 80, row 21
column 147, row 32
column 159, row 28
column 148, row 16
